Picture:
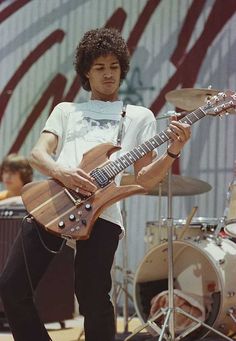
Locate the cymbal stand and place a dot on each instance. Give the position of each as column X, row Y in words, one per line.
column 219, row 227
column 171, row 310
column 159, row 215
column 125, row 270
column 169, row 319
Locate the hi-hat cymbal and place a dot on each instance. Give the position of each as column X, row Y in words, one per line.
column 190, row 99
column 181, row 185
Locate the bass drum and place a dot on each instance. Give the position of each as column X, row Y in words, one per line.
column 203, row 269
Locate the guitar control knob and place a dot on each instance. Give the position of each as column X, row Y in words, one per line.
column 61, row 224
column 72, row 217
column 84, row 222
column 88, row 207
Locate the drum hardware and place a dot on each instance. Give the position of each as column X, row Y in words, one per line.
column 197, row 239
column 169, row 318
column 219, row 227
column 230, row 210
column 221, row 261
column 166, row 115
column 198, row 324
column 218, row 241
column 159, row 212
column 167, row 330
column 230, row 294
column 231, row 313
column 192, row 228
column 196, row 266
column 188, row 98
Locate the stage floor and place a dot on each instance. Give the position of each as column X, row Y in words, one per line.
column 73, row 331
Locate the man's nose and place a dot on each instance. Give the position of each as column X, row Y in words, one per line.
column 108, row 73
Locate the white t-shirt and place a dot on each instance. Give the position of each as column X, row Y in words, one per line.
column 82, row 126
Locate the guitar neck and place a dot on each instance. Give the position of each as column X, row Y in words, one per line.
column 115, row 167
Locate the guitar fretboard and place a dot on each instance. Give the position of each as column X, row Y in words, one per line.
column 111, row 169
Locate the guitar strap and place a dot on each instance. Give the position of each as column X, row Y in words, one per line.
column 121, row 125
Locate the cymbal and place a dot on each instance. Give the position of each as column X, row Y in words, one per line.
column 181, row 185
column 188, row 98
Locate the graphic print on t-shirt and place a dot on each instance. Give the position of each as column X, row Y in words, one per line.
column 92, row 130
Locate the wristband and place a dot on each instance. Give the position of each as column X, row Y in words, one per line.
column 174, row 156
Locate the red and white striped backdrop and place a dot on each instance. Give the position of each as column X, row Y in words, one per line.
column 174, row 44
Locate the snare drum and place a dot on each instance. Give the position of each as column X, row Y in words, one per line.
column 204, row 269
column 230, row 223
column 200, row 226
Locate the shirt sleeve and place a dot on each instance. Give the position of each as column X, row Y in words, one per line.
column 56, row 124
column 147, row 127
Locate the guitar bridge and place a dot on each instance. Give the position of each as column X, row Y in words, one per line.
column 76, row 201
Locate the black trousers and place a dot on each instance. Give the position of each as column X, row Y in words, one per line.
column 93, row 262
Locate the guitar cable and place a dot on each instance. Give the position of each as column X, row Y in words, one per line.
column 26, row 219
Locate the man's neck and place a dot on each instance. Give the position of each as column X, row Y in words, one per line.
column 104, row 98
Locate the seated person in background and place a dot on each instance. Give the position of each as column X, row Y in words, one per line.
column 15, row 172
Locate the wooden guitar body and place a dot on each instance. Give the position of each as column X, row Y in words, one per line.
column 51, row 206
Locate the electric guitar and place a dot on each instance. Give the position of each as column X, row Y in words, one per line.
column 70, row 215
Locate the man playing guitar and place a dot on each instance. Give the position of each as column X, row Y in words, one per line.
column 102, row 62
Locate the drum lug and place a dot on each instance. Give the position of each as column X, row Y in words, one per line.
column 218, row 241
column 197, row 239
column 230, row 294
column 231, row 312
column 221, row 261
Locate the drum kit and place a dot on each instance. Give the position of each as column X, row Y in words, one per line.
column 185, row 287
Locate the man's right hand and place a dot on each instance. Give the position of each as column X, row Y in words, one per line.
column 77, row 180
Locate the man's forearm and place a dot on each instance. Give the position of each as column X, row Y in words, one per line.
column 44, row 163
column 153, row 173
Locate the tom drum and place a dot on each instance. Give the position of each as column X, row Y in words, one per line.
column 200, row 226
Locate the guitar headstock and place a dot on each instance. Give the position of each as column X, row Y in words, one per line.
column 223, row 103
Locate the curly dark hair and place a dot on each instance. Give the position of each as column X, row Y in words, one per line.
column 17, row 163
column 96, row 43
